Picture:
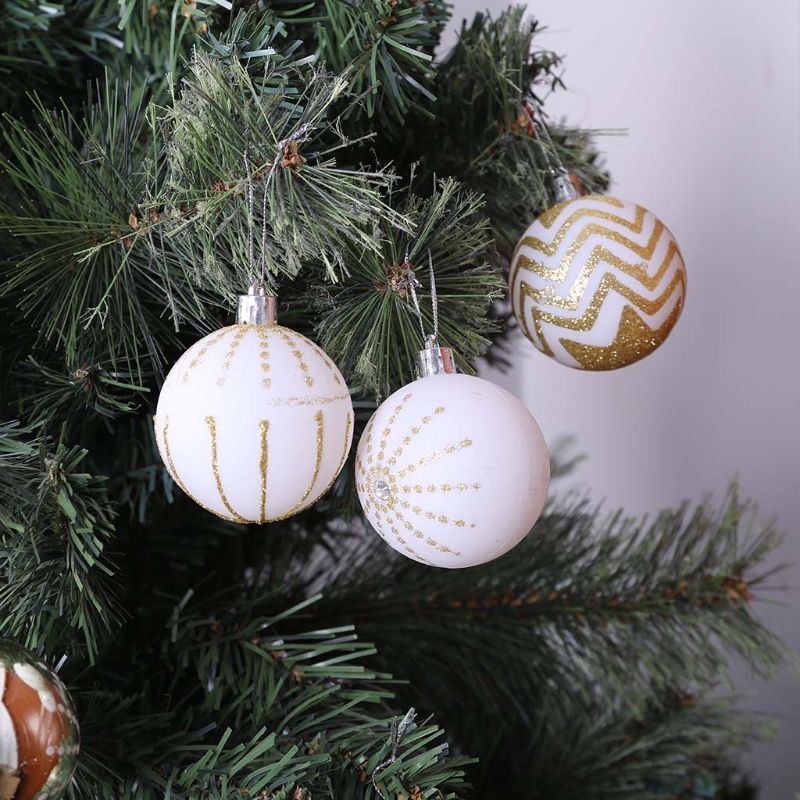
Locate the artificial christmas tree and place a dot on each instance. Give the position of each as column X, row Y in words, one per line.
column 327, row 148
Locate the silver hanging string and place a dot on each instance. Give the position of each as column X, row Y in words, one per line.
column 395, row 738
column 563, row 188
column 431, row 359
column 250, row 261
column 301, row 135
column 536, row 116
column 413, row 285
column 434, row 299
column 264, row 235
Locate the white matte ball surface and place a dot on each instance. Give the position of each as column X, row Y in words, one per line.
column 254, row 422
column 597, row 283
column 452, row 471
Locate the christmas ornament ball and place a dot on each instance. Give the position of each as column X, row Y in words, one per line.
column 39, row 736
column 254, row 422
column 452, row 470
column 597, row 283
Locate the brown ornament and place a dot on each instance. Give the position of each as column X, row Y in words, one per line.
column 39, row 737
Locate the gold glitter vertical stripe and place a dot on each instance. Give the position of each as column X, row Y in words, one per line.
column 170, row 462
column 318, row 418
column 212, row 429
column 345, row 451
column 177, row 478
column 263, row 429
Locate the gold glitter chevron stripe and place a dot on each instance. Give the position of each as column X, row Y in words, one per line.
column 177, row 478
column 634, row 340
column 591, row 230
column 263, row 463
column 600, row 255
column 635, row 225
column 550, row 217
column 608, row 283
column 212, row 430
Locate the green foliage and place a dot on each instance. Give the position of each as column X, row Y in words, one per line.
column 54, row 568
column 286, row 134
column 385, row 47
column 82, row 270
column 229, row 699
column 485, row 83
column 44, row 44
column 370, row 326
column 581, row 634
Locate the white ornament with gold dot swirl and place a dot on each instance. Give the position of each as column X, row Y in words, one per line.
column 254, row 422
column 452, row 470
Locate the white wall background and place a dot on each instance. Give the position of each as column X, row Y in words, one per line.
column 710, row 95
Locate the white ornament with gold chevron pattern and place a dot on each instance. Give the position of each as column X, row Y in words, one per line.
column 597, row 283
column 452, row 470
column 254, row 422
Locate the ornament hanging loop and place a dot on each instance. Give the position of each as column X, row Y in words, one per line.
column 560, row 181
column 255, row 307
column 432, row 359
column 397, row 732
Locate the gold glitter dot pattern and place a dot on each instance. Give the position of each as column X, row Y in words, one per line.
column 380, row 472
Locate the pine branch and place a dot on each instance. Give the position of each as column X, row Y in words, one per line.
column 44, row 46
column 54, row 568
column 678, row 749
column 583, row 608
column 385, row 47
column 485, row 82
column 289, row 133
column 369, row 325
column 238, row 708
column 83, row 271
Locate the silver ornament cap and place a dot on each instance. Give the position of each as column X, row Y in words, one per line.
column 435, row 360
column 257, row 307
column 563, row 187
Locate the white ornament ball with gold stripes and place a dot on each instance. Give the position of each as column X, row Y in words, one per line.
column 254, row 422
column 597, row 283
column 452, row 471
